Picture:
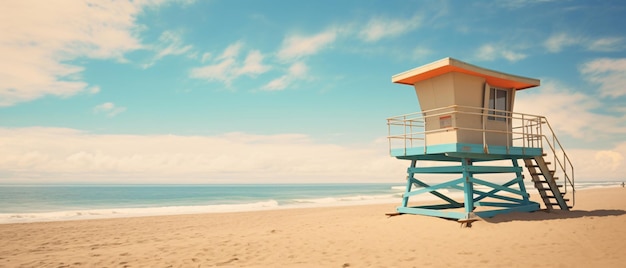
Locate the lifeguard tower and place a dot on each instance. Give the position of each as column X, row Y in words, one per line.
column 468, row 128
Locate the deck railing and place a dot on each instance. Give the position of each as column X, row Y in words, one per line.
column 411, row 130
column 521, row 130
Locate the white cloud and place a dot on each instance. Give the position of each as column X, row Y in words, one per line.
column 512, row 56
column 94, row 89
column 296, row 72
column 609, row 74
column 39, row 38
column 569, row 112
column 599, row 164
column 556, row 42
column 232, row 51
column 43, row 155
column 613, row 160
column 68, row 155
column 205, row 57
column 489, row 52
column 515, row 4
column 606, row 44
column 227, row 67
column 297, row 46
column 253, row 64
column 221, row 71
column 170, row 43
column 109, row 109
column 379, row 28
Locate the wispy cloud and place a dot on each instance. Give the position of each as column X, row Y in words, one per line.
column 295, row 46
column 421, row 52
column 571, row 112
column 228, row 66
column 379, row 28
column 42, row 155
column 39, row 38
column 606, row 44
column 556, row 42
column 608, row 74
column 297, row 71
column 109, row 109
column 559, row 41
column 514, row 4
column 170, row 43
column 489, row 52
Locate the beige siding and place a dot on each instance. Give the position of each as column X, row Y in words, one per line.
column 437, row 92
column 458, row 89
column 469, row 92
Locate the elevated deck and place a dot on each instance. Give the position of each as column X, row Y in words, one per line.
column 459, row 131
column 477, row 152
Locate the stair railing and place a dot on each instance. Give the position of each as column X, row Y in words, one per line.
column 560, row 159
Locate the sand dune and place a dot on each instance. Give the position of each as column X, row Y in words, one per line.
column 593, row 234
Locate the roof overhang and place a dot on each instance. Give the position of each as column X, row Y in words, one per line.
column 447, row 65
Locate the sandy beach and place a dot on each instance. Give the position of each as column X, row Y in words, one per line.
column 593, row 234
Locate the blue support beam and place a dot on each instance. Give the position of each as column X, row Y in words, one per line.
column 460, row 169
column 435, row 193
column 430, row 189
column 483, row 195
column 432, row 212
column 516, row 198
column 498, row 187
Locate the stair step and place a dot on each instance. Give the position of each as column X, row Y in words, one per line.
column 550, row 196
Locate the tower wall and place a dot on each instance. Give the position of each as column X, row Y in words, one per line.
column 442, row 125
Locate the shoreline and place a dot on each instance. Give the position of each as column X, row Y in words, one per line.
column 347, row 236
column 255, row 205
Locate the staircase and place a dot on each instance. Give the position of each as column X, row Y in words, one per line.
column 556, row 192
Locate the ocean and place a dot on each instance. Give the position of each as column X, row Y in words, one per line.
column 36, row 203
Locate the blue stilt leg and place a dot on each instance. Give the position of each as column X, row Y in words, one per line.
column 468, row 188
column 409, row 185
column 522, row 187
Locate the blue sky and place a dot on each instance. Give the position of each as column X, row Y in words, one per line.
column 160, row 91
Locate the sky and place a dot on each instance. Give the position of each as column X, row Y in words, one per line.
column 158, row 91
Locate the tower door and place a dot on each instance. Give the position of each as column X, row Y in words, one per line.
column 497, row 115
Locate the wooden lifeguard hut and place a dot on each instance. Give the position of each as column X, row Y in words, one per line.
column 465, row 124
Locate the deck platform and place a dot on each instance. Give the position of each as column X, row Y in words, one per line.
column 454, row 151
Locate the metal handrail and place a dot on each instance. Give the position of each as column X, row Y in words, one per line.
column 568, row 179
column 416, row 123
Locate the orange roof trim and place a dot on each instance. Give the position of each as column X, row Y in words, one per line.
column 447, row 65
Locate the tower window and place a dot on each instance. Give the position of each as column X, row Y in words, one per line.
column 498, row 101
